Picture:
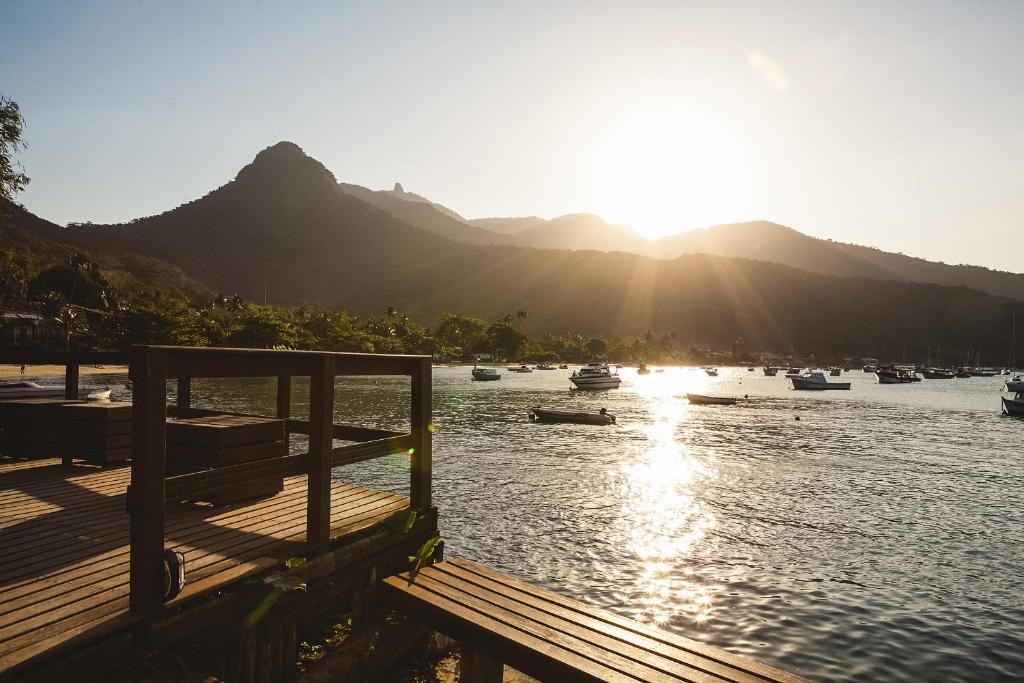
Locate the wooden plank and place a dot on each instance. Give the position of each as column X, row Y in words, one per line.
column 421, row 427
column 465, row 567
column 183, row 399
column 321, row 419
column 146, row 495
column 71, row 380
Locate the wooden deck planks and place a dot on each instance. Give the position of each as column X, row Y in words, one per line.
column 64, row 530
column 551, row 637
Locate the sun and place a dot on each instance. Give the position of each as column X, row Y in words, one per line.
column 665, row 172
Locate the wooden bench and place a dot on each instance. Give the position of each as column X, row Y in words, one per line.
column 499, row 620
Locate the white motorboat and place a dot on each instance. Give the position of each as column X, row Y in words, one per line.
column 485, row 374
column 102, row 394
column 544, row 366
column 602, row 417
column 815, row 381
column 595, row 376
column 520, row 368
column 27, row 389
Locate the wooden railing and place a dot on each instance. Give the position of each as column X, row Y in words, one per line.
column 151, row 490
column 71, row 360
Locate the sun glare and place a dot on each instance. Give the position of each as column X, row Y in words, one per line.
column 666, row 172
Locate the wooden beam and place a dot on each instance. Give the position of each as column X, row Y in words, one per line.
column 184, row 395
column 71, row 380
column 421, row 460
column 321, row 441
column 146, row 494
column 284, row 397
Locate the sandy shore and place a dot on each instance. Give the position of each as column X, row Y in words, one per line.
column 9, row 371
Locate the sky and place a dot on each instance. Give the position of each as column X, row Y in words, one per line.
column 891, row 124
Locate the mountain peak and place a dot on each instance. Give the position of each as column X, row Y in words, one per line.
column 286, row 163
column 398, row 189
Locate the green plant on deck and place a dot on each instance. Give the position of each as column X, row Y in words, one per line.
column 293, row 562
column 424, row 554
column 402, row 520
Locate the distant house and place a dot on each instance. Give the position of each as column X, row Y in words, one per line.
column 23, row 330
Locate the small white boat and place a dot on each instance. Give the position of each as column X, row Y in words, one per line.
column 27, row 389
column 485, row 374
column 563, row 366
column 520, row 368
column 595, row 376
column 1014, row 386
column 99, row 394
column 602, row 417
column 815, row 381
column 701, row 400
column 544, row 366
column 770, row 370
column 711, row 372
column 1013, row 406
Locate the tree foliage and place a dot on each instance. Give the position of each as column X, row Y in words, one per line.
column 12, row 176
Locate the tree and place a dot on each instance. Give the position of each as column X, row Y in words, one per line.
column 521, row 315
column 504, row 341
column 597, row 347
column 12, row 177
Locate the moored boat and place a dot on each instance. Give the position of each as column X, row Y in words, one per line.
column 485, row 374
column 642, row 369
column 520, row 368
column 1013, row 406
column 893, row 374
column 595, row 376
column 701, row 400
column 102, row 394
column 835, row 372
column 1015, row 385
column 770, row 370
column 815, row 381
column 544, row 366
column 938, row 373
column 602, row 417
column 563, row 366
column 711, row 372
column 28, row 389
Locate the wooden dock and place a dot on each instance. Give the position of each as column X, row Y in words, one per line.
column 82, row 547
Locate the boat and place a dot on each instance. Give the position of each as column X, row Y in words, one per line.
column 520, row 368
column 28, row 389
column 102, row 394
column 485, row 374
column 563, row 366
column 938, row 373
column 1013, row 406
column 750, row 369
column 711, row 372
column 1015, row 385
column 815, row 381
column 794, row 371
column 835, row 372
column 701, row 400
column 870, row 368
column 892, row 374
column 602, row 417
column 770, row 370
column 595, row 376
column 642, row 369
column 544, row 366
column 983, row 372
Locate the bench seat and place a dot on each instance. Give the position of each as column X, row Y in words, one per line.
column 499, row 620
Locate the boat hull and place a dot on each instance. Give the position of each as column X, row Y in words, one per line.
column 1013, row 406
column 553, row 415
column 31, row 393
column 596, row 383
column 803, row 384
column 701, row 400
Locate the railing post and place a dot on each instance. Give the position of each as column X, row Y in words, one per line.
column 184, row 396
column 71, row 380
column 146, row 495
column 321, row 442
column 421, row 461
column 284, row 397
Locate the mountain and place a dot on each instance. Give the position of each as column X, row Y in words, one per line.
column 507, row 226
column 46, row 243
column 767, row 241
column 580, row 231
column 419, row 212
column 284, row 221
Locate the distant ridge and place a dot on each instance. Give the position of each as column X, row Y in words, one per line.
column 285, row 223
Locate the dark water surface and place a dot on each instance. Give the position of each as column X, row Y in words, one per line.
column 880, row 537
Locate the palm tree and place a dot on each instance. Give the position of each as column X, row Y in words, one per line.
column 521, row 315
column 507, row 318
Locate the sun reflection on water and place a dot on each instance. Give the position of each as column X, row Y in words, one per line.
column 665, row 523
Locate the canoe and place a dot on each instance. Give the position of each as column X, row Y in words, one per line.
column 576, row 417
column 698, row 399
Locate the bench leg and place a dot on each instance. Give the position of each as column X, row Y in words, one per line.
column 478, row 668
